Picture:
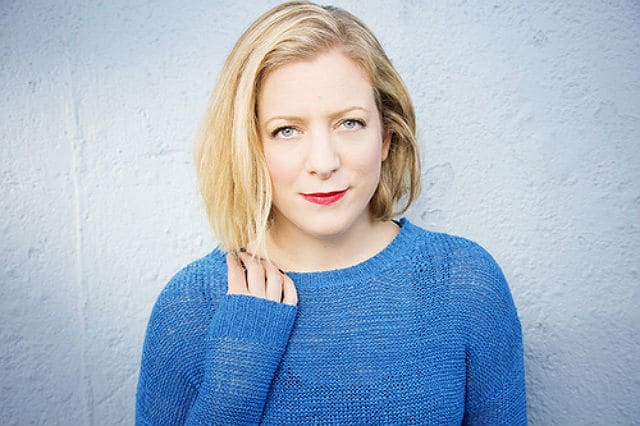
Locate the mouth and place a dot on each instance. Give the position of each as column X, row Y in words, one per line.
column 325, row 198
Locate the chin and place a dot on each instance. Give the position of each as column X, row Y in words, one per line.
column 321, row 224
column 327, row 227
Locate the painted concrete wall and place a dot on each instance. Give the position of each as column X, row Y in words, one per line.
column 530, row 122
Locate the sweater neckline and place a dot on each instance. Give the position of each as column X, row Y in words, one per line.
column 360, row 271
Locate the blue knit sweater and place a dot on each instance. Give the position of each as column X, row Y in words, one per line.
column 425, row 332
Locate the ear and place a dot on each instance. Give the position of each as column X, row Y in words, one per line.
column 386, row 144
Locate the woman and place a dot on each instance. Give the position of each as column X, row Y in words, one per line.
column 306, row 154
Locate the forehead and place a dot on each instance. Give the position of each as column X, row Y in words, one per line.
column 329, row 80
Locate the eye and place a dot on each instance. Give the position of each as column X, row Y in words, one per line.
column 283, row 132
column 351, row 124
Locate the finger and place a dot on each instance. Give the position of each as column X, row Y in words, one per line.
column 235, row 276
column 274, row 282
column 255, row 274
column 290, row 296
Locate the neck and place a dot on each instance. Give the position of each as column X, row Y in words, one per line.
column 299, row 252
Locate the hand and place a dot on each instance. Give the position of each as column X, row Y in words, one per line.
column 257, row 277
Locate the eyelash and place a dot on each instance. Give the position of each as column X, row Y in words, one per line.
column 359, row 122
column 279, row 129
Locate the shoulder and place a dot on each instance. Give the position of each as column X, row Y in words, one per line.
column 190, row 296
column 449, row 249
column 479, row 296
column 469, row 270
column 201, row 280
column 179, row 320
column 186, row 302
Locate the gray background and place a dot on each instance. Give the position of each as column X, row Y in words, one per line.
column 529, row 117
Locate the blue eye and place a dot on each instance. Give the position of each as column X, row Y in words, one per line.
column 285, row 132
column 351, row 124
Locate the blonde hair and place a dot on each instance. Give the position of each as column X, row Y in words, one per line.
column 232, row 172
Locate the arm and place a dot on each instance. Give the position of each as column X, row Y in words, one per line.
column 245, row 344
column 208, row 364
column 495, row 388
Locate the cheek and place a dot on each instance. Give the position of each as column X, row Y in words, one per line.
column 367, row 162
column 281, row 169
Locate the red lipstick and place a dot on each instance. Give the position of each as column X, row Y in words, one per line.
column 325, row 198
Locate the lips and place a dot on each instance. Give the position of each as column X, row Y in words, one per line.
column 325, row 198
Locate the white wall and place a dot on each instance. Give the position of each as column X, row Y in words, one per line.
column 530, row 121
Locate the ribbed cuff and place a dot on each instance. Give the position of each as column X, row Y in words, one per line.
column 248, row 317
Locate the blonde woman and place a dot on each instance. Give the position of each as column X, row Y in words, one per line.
column 319, row 306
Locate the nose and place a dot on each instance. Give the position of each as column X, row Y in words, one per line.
column 322, row 157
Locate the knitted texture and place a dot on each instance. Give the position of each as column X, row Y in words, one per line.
column 425, row 332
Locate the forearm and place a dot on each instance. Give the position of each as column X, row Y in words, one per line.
column 245, row 343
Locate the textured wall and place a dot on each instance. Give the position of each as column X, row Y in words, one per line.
column 530, row 121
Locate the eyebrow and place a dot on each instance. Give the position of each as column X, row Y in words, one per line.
column 332, row 115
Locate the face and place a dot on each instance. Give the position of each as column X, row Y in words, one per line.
column 324, row 145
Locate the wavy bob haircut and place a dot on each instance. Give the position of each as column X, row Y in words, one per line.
column 231, row 168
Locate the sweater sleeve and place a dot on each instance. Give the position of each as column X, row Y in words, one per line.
column 495, row 387
column 206, row 364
